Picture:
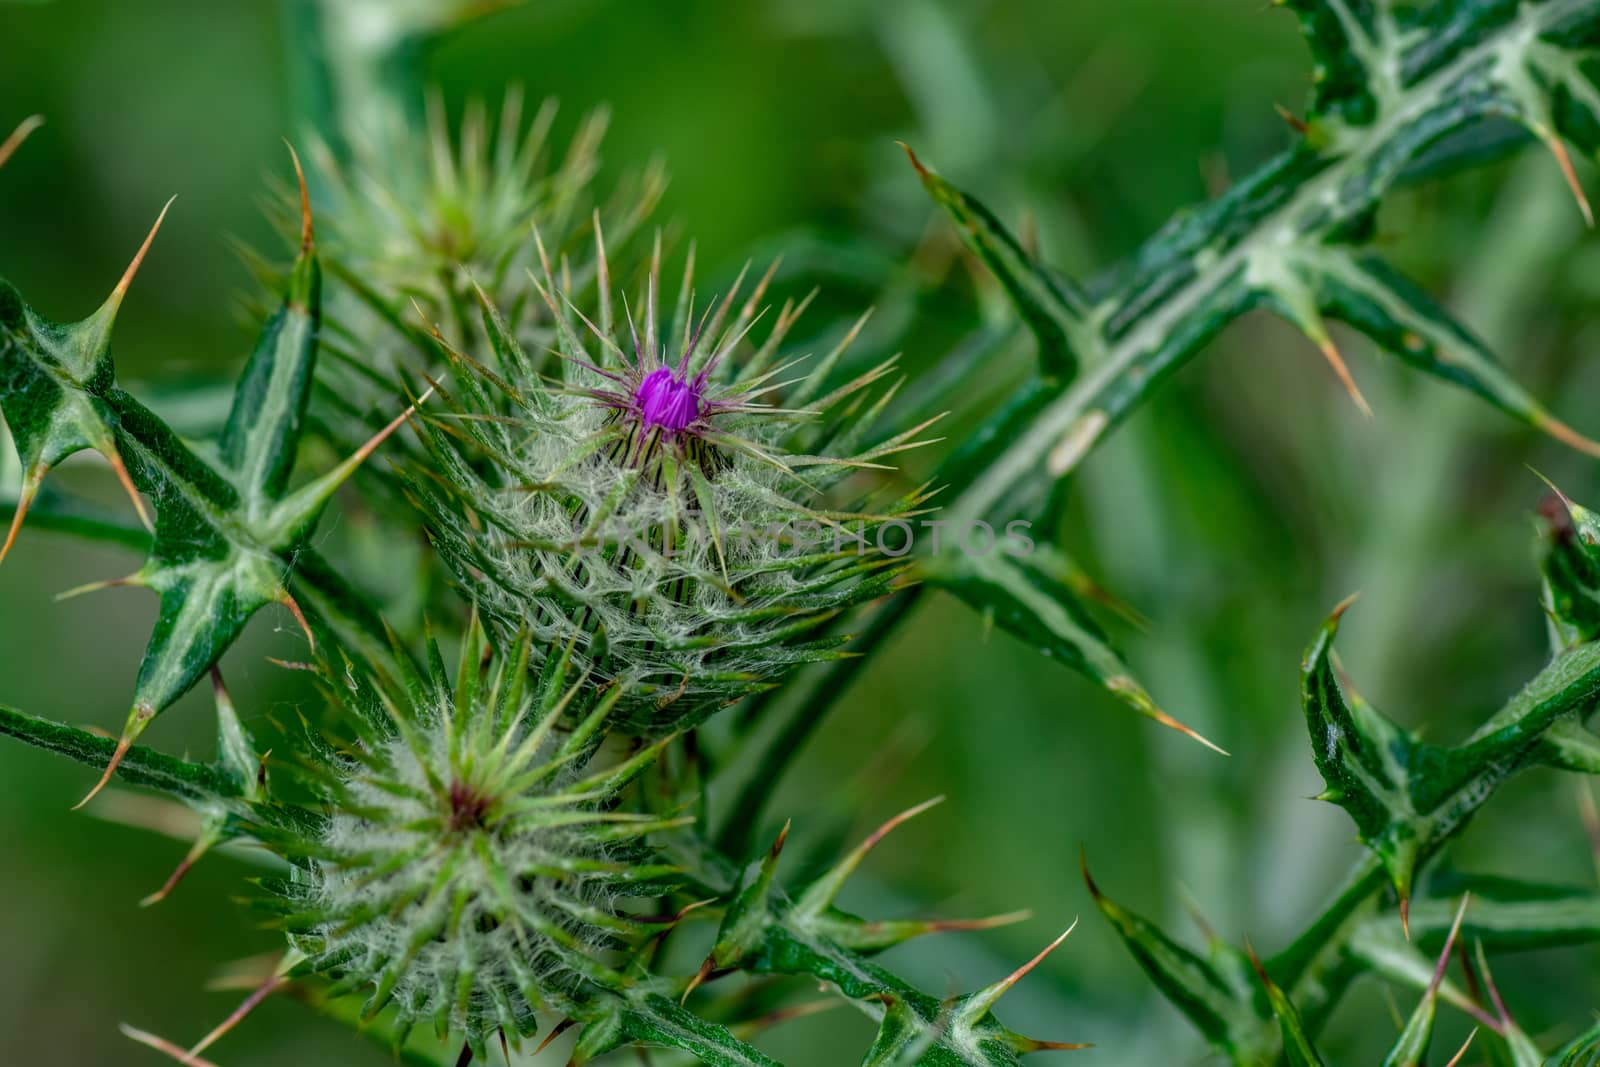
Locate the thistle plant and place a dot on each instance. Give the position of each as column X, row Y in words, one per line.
column 651, row 505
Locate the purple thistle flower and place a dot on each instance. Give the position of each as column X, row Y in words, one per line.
column 664, row 400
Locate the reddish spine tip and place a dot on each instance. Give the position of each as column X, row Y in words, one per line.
column 306, row 235
column 142, row 714
column 18, row 135
column 912, row 155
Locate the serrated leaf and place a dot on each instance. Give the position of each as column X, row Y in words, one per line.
column 1052, row 306
column 1348, row 45
column 1217, row 995
column 225, row 538
column 1029, row 597
column 1407, row 797
column 1308, row 283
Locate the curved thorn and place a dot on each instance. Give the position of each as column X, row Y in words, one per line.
column 95, row 587
column 1331, row 353
column 121, row 471
column 1564, row 161
column 137, row 721
column 162, row 1045
column 912, row 155
column 1566, row 434
column 248, row 1005
column 1462, row 1051
column 1405, row 916
column 306, row 240
column 988, row 997
column 1168, row 721
column 18, row 135
column 201, row 846
column 121, row 289
column 699, row 977
column 30, row 488
column 888, row 827
column 555, row 1031
column 288, row 601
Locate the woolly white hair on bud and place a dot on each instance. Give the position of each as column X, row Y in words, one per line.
column 471, row 866
column 656, row 497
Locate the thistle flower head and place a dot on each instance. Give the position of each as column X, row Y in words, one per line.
column 470, row 868
column 414, row 210
column 666, row 495
column 665, row 400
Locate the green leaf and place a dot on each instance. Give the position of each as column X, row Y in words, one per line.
column 1217, row 995
column 192, row 783
column 1307, row 283
column 1349, row 40
column 1582, row 1051
column 226, row 538
column 1297, row 1046
column 1052, row 306
column 1570, row 560
column 1030, row 596
column 654, row 1020
column 764, row 932
column 1408, row 798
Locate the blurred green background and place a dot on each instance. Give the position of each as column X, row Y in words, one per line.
column 1233, row 512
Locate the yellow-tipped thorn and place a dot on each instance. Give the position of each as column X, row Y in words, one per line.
column 1405, row 917
column 360, row 454
column 162, row 1045
column 248, row 1005
column 1343, row 606
column 121, row 471
column 142, row 714
column 889, row 827
column 1330, row 352
column 300, row 617
column 1297, row 124
column 555, row 1031
column 985, row 999
column 912, row 155
column 30, row 488
column 121, row 289
column 1168, row 721
column 306, row 235
column 988, row 922
column 1462, row 1051
column 699, row 976
column 18, row 135
column 200, row 848
column 95, row 587
column 1567, row 435
column 1564, row 161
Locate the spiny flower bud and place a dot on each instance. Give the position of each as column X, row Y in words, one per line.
column 411, row 211
column 646, row 500
column 472, row 861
